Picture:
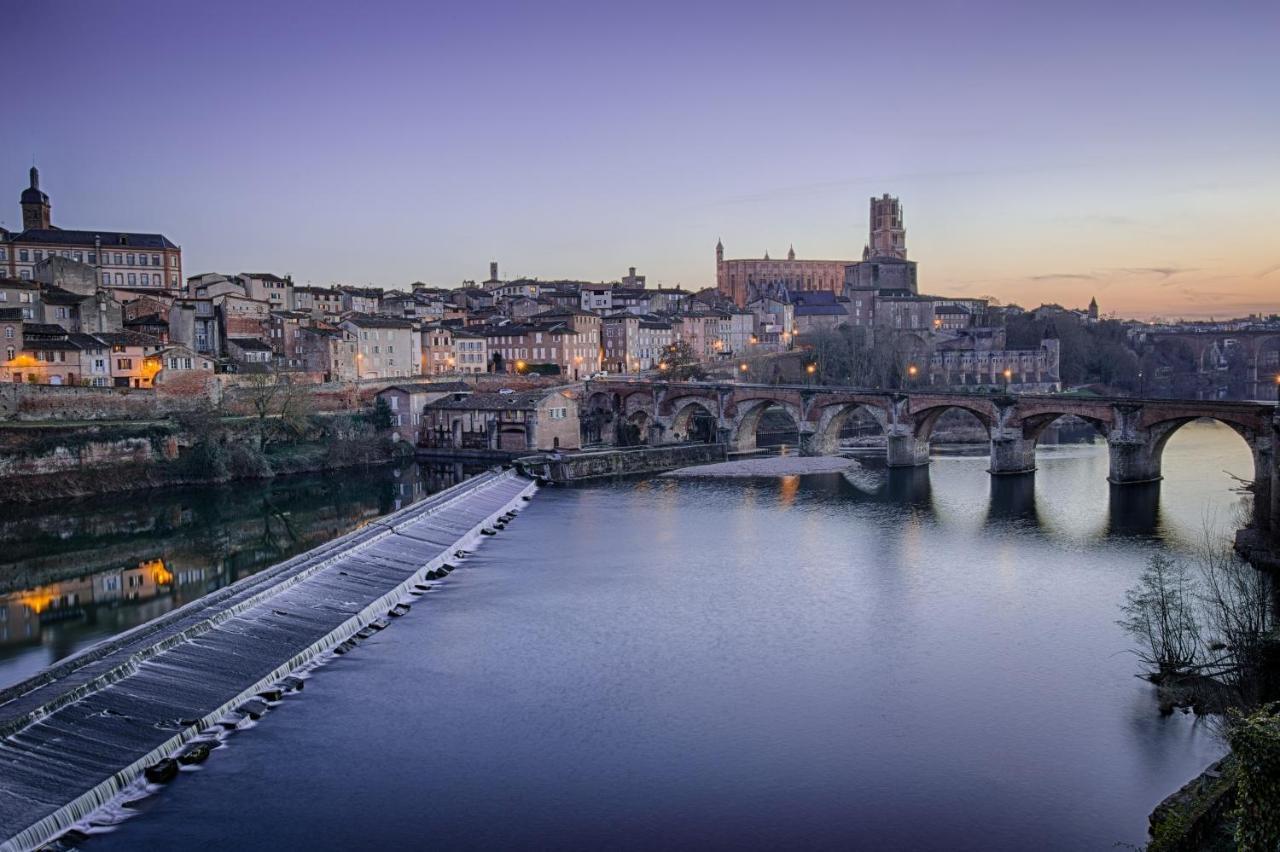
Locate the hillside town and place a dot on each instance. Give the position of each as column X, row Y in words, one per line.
column 107, row 309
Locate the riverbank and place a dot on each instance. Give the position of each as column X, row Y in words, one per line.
column 58, row 461
column 770, row 466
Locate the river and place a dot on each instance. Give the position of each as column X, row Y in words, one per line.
column 77, row 571
column 927, row 660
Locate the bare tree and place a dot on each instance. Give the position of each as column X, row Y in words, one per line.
column 282, row 407
column 1160, row 613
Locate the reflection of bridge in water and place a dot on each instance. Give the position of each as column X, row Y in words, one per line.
column 1136, row 430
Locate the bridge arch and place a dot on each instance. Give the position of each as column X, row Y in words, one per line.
column 927, row 418
column 692, row 419
column 1142, row 461
column 833, row 418
column 633, row 430
column 746, row 421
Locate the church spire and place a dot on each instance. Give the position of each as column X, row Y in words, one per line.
column 791, row 252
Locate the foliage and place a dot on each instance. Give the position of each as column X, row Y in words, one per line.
column 282, row 407
column 680, row 363
column 1255, row 742
column 381, row 417
column 863, row 357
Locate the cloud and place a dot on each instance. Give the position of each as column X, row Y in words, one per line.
column 1055, row 276
column 1270, row 269
column 1161, row 271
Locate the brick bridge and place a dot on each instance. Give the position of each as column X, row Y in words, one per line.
column 1136, row 429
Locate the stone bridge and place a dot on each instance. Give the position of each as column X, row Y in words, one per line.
column 1136, row 430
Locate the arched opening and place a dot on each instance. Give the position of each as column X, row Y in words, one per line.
column 633, row 431
column 1267, row 369
column 1065, row 429
column 695, row 423
column 598, row 419
column 767, row 425
column 954, row 430
column 1212, row 472
column 851, row 427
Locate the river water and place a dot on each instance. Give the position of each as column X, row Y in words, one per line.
column 927, row 660
column 76, row 572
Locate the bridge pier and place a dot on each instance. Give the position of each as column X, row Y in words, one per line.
column 1011, row 454
column 1133, row 462
column 906, row 450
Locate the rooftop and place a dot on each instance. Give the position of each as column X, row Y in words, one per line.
column 109, row 239
column 520, row 401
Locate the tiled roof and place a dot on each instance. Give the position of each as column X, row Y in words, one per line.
column 521, row 401
column 128, row 338
column 249, row 344
column 366, row 321
column 430, row 387
column 110, row 239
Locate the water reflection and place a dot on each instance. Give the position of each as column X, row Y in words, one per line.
column 88, row 569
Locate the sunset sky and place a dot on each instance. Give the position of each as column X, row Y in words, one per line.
column 1043, row 152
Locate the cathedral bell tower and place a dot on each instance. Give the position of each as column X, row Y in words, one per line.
column 35, row 205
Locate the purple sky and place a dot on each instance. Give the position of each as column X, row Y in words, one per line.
column 1041, row 151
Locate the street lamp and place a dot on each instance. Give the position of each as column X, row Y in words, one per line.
column 1008, row 377
column 912, row 370
column 810, row 369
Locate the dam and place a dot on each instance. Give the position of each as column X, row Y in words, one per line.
column 81, row 731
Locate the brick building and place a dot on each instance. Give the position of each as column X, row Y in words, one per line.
column 119, row 259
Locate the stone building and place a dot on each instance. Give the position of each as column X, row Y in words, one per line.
column 119, row 259
column 965, row 364
column 470, row 352
column 743, row 280
column 407, row 401
column 527, row 421
column 386, row 348
column 328, row 351
column 269, row 288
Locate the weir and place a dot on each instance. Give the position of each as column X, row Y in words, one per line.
column 80, row 732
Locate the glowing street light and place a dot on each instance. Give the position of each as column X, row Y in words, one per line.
column 912, row 369
column 811, row 369
column 743, row 366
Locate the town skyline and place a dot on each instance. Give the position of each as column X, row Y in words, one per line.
column 429, row 157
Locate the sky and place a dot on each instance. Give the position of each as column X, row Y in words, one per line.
column 1043, row 152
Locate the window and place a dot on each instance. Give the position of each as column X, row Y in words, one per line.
column 39, row 255
column 124, row 363
column 133, row 279
column 119, row 258
column 155, row 260
column 119, row 279
column 128, row 259
column 24, row 255
column 4, row 255
column 9, row 353
column 93, row 257
column 142, row 260
column 78, row 256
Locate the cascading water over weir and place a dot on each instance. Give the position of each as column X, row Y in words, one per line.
column 78, row 733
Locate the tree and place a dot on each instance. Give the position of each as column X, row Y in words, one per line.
column 680, row 363
column 281, row 406
column 1159, row 613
